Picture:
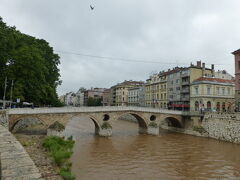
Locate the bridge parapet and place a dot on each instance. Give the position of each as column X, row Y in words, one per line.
column 90, row 109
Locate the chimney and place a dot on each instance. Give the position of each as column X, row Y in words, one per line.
column 198, row 63
column 212, row 66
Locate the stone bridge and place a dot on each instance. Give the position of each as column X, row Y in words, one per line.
column 149, row 119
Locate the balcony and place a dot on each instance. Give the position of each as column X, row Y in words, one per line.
column 185, row 98
column 185, row 82
column 185, row 90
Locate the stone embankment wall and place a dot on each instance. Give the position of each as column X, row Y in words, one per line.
column 223, row 126
column 3, row 118
column 14, row 160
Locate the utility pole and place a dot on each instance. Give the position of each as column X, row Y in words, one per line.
column 11, row 94
column 4, row 95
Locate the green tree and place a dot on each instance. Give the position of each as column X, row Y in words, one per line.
column 94, row 101
column 31, row 64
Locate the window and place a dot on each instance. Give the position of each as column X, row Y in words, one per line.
column 218, row 92
column 196, row 106
column 218, row 106
column 223, row 91
column 208, row 90
column 223, row 107
column 196, row 90
column 177, row 88
column 228, row 91
column 177, row 81
column 209, row 106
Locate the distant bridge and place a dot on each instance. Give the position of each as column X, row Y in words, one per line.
column 149, row 119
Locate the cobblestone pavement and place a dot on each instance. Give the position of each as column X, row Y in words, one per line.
column 15, row 161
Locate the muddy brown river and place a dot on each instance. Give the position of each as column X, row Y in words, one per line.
column 128, row 155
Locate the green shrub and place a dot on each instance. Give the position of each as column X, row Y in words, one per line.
column 106, row 125
column 66, row 174
column 61, row 151
column 153, row 124
column 57, row 126
column 199, row 129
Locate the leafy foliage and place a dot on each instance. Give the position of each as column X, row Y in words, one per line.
column 94, row 101
column 106, row 125
column 61, row 151
column 31, row 64
column 199, row 129
column 153, row 124
column 57, row 126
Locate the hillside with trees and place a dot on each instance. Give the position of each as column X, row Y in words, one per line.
column 31, row 64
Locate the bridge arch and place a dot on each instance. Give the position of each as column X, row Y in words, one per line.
column 30, row 122
column 173, row 122
column 142, row 122
column 89, row 116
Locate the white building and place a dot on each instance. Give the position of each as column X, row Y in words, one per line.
column 80, row 98
column 70, row 99
column 136, row 96
column 223, row 75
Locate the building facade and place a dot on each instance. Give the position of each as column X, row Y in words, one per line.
column 212, row 94
column 156, row 90
column 119, row 92
column 136, row 96
column 106, row 97
column 95, row 93
column 237, row 78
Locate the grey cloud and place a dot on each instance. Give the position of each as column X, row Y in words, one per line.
column 168, row 31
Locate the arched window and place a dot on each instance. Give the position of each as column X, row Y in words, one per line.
column 218, row 106
column 223, row 107
column 209, row 105
column 229, row 107
column 196, row 106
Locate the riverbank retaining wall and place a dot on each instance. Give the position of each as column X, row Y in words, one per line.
column 3, row 118
column 222, row 126
column 15, row 161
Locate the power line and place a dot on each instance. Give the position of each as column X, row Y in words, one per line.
column 123, row 59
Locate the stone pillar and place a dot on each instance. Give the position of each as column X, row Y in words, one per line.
column 153, row 130
column 142, row 130
column 105, row 130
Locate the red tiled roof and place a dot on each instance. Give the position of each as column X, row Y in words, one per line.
column 214, row 80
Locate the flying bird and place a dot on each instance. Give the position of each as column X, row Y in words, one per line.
column 92, row 7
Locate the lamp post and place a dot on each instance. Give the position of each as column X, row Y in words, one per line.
column 4, row 95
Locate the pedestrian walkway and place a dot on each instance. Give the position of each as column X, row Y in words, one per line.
column 15, row 162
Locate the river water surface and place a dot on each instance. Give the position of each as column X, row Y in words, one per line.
column 128, row 155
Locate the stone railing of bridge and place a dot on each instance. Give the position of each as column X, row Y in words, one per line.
column 14, row 160
column 91, row 109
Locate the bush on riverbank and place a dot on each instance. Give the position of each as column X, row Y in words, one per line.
column 60, row 150
column 199, row 129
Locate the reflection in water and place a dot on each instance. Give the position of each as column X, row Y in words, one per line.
column 128, row 155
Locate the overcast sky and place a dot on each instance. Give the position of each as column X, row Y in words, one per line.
column 172, row 32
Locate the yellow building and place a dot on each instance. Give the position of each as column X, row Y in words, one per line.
column 199, row 70
column 156, row 91
column 212, row 94
column 120, row 92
